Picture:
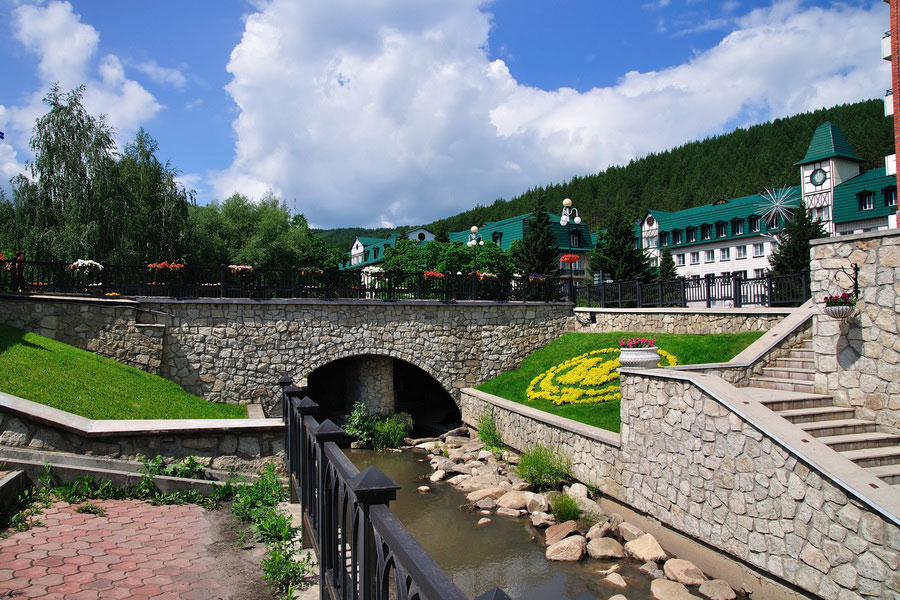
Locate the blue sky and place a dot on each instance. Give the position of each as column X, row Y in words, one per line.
column 402, row 111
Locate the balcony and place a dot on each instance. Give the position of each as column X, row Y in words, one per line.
column 888, row 103
column 886, row 46
column 890, row 164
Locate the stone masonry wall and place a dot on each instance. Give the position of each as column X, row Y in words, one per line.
column 372, row 383
column 701, row 321
column 858, row 359
column 692, row 463
column 107, row 328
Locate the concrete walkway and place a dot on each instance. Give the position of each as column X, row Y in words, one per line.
column 136, row 551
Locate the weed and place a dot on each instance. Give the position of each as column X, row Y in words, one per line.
column 565, row 508
column 257, row 501
column 379, row 430
column 91, row 509
column 281, row 569
column 543, row 468
column 274, row 528
column 487, row 432
column 188, row 468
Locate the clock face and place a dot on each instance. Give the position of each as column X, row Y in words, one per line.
column 818, row 177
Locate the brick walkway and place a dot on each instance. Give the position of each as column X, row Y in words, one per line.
column 135, row 551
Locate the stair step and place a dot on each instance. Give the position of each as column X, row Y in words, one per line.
column 821, row 429
column 889, row 473
column 860, row 441
column 790, row 373
column 802, row 353
column 822, row 413
column 797, row 400
column 777, row 383
column 875, row 457
column 792, row 362
column 806, row 343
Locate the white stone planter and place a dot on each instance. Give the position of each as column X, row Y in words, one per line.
column 639, row 358
column 839, row 312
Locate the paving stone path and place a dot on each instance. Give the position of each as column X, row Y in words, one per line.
column 136, row 551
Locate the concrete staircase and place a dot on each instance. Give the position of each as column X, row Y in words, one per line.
column 787, row 388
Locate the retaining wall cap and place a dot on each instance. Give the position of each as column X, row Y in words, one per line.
column 856, row 236
column 687, row 311
column 348, row 301
column 829, row 463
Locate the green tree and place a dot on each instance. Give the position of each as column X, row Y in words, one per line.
column 667, row 270
column 536, row 252
column 616, row 255
column 791, row 254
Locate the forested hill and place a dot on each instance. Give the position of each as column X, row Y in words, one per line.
column 739, row 163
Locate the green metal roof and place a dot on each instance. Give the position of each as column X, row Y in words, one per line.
column 514, row 228
column 847, row 196
column 828, row 141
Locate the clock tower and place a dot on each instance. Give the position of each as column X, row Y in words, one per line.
column 829, row 161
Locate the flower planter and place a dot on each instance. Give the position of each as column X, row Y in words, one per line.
column 839, row 312
column 639, row 358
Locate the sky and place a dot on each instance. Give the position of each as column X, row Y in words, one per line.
column 390, row 112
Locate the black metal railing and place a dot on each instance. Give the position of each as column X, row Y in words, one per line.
column 363, row 550
column 720, row 291
column 264, row 282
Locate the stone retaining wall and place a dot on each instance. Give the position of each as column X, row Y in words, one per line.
column 240, row 444
column 701, row 321
column 858, row 359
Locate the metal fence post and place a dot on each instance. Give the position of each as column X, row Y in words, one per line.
column 708, row 289
column 222, row 269
column 640, row 294
column 736, row 292
column 325, row 519
column 283, row 383
column 371, row 487
column 769, row 289
column 298, row 459
column 683, row 292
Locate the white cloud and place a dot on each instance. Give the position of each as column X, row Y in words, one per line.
column 393, row 112
column 162, row 75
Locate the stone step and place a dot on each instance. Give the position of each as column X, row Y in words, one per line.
column 859, row 441
column 887, row 473
column 795, row 363
column 777, row 383
column 802, row 353
column 812, row 415
column 875, row 457
column 778, row 400
column 821, row 429
column 806, row 344
column 790, row 373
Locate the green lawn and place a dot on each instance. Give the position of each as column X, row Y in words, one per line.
column 689, row 349
column 58, row 375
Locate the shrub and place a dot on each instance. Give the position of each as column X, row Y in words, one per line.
column 543, row 468
column 188, row 468
column 257, row 501
column 284, row 572
column 565, row 508
column 379, row 430
column 487, row 432
column 274, row 528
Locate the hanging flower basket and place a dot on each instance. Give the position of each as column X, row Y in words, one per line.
column 85, row 266
column 570, row 259
column 537, row 278
column 839, row 312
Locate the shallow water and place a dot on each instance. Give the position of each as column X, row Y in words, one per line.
column 502, row 554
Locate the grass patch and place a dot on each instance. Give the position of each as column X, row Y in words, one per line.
column 689, row 349
column 61, row 376
column 565, row 508
column 544, row 468
column 487, row 433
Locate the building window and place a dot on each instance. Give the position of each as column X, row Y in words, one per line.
column 663, row 239
column 710, row 256
column 740, row 252
column 691, row 235
column 705, row 232
column 741, row 274
column 679, row 260
column 759, row 249
column 759, row 273
column 676, row 237
column 653, row 262
column 575, row 240
column 867, row 201
column 365, row 255
column 695, row 258
column 497, row 237
column 890, row 197
column 374, row 253
column 652, row 242
column 721, row 229
column 737, row 228
column 725, row 254
column 821, row 213
column 753, row 222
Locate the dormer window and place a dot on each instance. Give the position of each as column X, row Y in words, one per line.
column 663, row 239
column 705, row 232
column 754, row 224
column 890, row 197
column 676, row 236
column 721, row 229
column 737, row 227
column 691, row 234
column 497, row 237
column 867, row 201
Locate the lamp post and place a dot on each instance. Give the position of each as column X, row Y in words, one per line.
column 474, row 241
column 569, row 214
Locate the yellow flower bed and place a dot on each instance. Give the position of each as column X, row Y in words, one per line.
column 585, row 379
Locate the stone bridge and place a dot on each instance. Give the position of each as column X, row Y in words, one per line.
column 233, row 350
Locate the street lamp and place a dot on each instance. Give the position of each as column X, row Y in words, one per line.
column 474, row 241
column 569, row 214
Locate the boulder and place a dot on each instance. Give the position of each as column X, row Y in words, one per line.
column 510, row 512
column 488, row 513
column 359, row 445
column 480, row 482
column 717, row 589
column 613, row 569
column 630, row 532
column 605, row 548
column 653, row 570
column 515, row 499
column 571, row 549
column 537, row 502
column 458, row 432
column 483, row 521
column 645, row 548
column 458, row 480
column 542, row 519
column 614, row 580
column 427, row 446
column 618, row 597
column 457, row 468
column 577, row 490
column 473, row 446
column 477, row 495
column 521, row 486
column 437, row 476
column 486, row 504
column 441, row 463
column 683, row 571
column 558, row 532
column 589, row 508
column 423, row 489
column 663, row 589
column 485, row 455
column 599, row 530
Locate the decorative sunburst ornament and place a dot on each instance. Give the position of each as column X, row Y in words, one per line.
column 775, row 203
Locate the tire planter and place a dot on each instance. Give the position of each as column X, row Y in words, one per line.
column 839, row 312
column 639, row 358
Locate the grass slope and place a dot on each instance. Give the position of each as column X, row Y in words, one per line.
column 58, row 375
column 689, row 349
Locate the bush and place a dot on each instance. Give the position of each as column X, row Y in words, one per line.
column 381, row 431
column 487, row 432
column 257, row 502
column 543, row 468
column 283, row 571
column 564, row 508
column 188, row 468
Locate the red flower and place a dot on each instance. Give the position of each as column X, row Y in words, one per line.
column 569, row 258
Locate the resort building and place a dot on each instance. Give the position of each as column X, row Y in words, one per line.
column 368, row 251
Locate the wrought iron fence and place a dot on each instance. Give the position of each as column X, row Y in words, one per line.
column 721, row 291
column 363, row 550
column 264, row 282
